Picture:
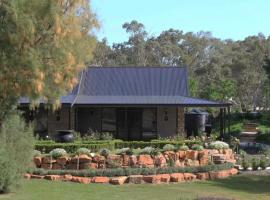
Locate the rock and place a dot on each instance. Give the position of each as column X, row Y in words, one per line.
column 83, row 180
column 125, row 160
column 114, row 161
column 88, row 166
column 219, row 158
column 82, row 159
column 219, row 174
column 189, row 176
column 56, row 166
column 190, row 163
column 48, row 160
column 213, row 151
column 145, row 161
column 160, row 161
column 118, row 180
column 98, row 159
column 181, row 154
column 100, row 179
column 233, row 171
column 135, row 179
column 71, row 166
column 177, row 177
column 192, row 154
column 37, row 161
column 133, row 160
column 67, row 177
column 152, row 179
column 62, row 160
column 203, row 176
column 179, row 163
column 165, row 178
column 52, row 177
column 170, row 155
column 27, row 176
column 46, row 166
column 36, row 176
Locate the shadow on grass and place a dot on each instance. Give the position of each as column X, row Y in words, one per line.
column 245, row 183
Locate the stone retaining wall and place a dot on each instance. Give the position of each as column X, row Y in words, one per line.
column 168, row 158
column 139, row 179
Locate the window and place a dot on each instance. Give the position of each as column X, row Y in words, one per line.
column 149, row 124
column 109, row 120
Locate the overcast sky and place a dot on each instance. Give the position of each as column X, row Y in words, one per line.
column 235, row 19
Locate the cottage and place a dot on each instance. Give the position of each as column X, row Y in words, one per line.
column 132, row 103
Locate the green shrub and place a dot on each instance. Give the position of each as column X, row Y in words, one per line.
column 58, row 152
column 183, row 148
column 197, row 147
column 218, row 145
column 262, row 164
column 83, row 151
column 168, row 147
column 124, row 151
column 16, row 151
column 255, row 164
column 149, row 151
column 245, row 164
column 104, row 152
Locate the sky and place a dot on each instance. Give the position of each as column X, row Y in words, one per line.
column 234, row 19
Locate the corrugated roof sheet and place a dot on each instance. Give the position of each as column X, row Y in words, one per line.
column 133, row 85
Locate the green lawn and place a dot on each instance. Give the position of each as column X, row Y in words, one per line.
column 238, row 187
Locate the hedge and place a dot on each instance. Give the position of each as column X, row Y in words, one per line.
column 263, row 138
column 95, row 146
column 134, row 171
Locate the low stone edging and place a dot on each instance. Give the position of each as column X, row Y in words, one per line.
column 139, row 179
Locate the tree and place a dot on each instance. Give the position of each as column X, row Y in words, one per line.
column 43, row 44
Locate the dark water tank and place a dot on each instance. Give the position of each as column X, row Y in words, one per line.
column 195, row 122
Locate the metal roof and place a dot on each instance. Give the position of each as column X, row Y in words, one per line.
column 133, row 86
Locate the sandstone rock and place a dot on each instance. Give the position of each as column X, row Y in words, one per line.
column 71, row 166
column 36, row 176
column 233, row 171
column 82, row 159
column 170, row 155
column 47, row 160
column 152, row 179
column 160, row 161
column 192, row 154
column 177, row 177
column 62, row 160
column 219, row 174
column 100, row 179
column 114, row 161
column 145, row 161
column 27, row 176
column 189, row 176
column 181, row 154
column 133, row 160
column 67, row 177
column 125, row 160
column 118, row 180
column 179, row 163
column 46, row 166
column 165, row 178
column 56, row 166
column 52, row 177
column 37, row 161
column 135, row 179
column 203, row 176
column 83, row 180
column 98, row 159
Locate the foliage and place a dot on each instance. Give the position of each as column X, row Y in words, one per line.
column 197, row 147
column 245, row 164
column 218, row 145
column 83, row 150
column 135, row 171
column 183, row 148
column 95, row 135
column 58, row 152
column 36, row 153
column 16, row 150
column 124, row 151
column 254, row 164
column 149, row 151
column 168, row 147
column 44, row 49
column 262, row 164
column 263, row 138
column 104, row 152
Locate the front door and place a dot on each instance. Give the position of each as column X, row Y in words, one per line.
column 129, row 124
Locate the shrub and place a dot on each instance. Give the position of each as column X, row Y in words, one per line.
column 245, row 164
column 58, row 152
column 262, row 164
column 255, row 164
column 263, row 138
column 183, row 148
column 16, row 151
column 218, row 145
column 124, row 151
column 149, row 151
column 36, row 153
column 169, row 147
column 83, row 151
column 197, row 147
column 104, row 152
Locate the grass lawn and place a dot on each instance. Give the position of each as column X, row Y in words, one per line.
column 240, row 187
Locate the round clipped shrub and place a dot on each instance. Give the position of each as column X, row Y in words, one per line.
column 218, row 145
column 183, row 148
column 168, row 147
column 262, row 164
column 104, row 152
column 36, row 153
column 83, row 151
column 124, row 151
column 58, row 152
column 149, row 151
column 197, row 147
